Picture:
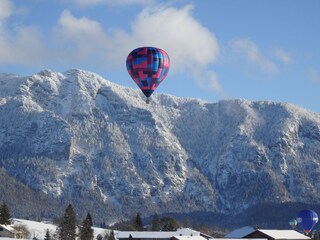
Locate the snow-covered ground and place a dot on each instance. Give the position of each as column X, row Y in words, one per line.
column 38, row 229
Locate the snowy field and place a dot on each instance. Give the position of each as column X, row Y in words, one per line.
column 38, row 229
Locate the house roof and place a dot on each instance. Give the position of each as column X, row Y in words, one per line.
column 276, row 234
column 284, row 234
column 240, row 232
column 240, row 239
column 189, row 238
column 9, row 228
column 137, row 234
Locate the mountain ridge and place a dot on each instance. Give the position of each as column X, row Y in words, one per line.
column 78, row 136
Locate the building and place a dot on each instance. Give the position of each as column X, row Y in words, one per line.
column 240, row 232
column 250, row 232
column 180, row 234
column 9, row 232
column 277, row 235
column 188, row 238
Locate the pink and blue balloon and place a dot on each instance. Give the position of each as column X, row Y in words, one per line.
column 148, row 67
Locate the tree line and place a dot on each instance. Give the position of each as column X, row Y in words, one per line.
column 156, row 224
column 69, row 228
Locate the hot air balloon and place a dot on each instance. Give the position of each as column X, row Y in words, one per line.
column 293, row 223
column 307, row 219
column 148, row 67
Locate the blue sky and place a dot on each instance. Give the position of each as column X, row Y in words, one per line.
column 219, row 49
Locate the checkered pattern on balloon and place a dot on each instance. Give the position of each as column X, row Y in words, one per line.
column 148, row 67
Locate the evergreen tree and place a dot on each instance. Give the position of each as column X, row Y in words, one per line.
column 67, row 229
column 86, row 231
column 138, row 225
column 47, row 236
column 169, row 224
column 99, row 237
column 111, row 236
column 5, row 217
column 155, row 224
column 187, row 223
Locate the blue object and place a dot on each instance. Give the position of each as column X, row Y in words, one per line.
column 307, row 219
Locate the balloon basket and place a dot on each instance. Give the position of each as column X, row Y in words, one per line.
column 147, row 101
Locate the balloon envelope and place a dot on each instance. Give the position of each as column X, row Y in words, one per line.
column 307, row 219
column 148, row 67
column 293, row 223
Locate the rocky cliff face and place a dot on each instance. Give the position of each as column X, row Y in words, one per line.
column 77, row 137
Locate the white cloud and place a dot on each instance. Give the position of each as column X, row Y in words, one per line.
column 21, row 45
column 84, row 3
column 79, row 38
column 250, row 51
column 6, row 9
column 191, row 47
column 24, row 46
column 80, row 41
column 282, row 55
column 83, row 41
column 189, row 44
column 314, row 74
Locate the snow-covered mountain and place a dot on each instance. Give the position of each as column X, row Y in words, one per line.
column 76, row 137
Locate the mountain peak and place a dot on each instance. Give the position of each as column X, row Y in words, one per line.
column 79, row 138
